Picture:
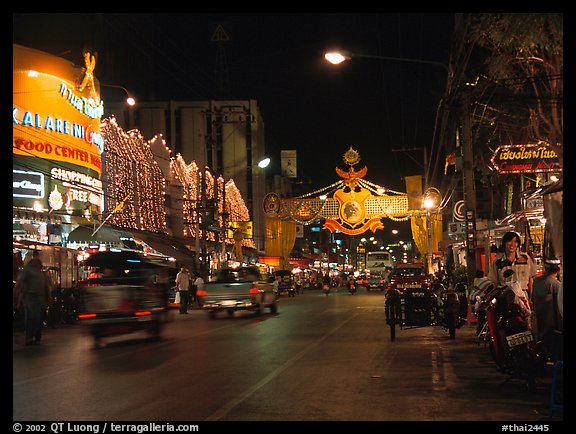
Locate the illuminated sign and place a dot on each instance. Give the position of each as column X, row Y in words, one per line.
column 45, row 149
column 82, row 104
column 27, row 184
column 53, row 117
column 529, row 158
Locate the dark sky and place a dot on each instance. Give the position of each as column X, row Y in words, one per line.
column 320, row 110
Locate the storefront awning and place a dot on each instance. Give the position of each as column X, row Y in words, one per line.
column 165, row 244
column 24, row 228
column 83, row 234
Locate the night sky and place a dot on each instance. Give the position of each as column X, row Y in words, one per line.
column 318, row 109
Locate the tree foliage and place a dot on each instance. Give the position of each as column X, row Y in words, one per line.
column 523, row 58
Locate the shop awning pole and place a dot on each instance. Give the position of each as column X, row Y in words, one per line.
column 116, row 209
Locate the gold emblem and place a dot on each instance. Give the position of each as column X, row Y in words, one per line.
column 271, row 204
column 351, row 156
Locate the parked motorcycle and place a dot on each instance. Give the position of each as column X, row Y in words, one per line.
column 511, row 342
column 449, row 308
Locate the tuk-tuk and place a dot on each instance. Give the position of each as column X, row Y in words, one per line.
column 286, row 284
column 126, row 293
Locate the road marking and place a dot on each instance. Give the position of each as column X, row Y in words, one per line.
column 233, row 403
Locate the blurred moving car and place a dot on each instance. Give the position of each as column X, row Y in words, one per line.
column 127, row 292
column 242, row 288
column 409, row 275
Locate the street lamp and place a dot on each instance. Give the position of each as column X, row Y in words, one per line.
column 129, row 99
column 430, row 202
column 264, row 163
column 337, row 57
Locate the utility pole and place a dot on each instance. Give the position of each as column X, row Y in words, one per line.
column 469, row 189
column 425, row 160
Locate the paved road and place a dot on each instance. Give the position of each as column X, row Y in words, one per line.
column 321, row 358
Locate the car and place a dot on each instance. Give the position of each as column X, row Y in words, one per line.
column 375, row 281
column 409, row 275
column 235, row 289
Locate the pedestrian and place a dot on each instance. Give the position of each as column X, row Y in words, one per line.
column 480, row 283
column 183, row 288
column 33, row 289
column 199, row 286
column 511, row 258
column 547, row 321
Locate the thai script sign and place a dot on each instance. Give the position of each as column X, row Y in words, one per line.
column 529, row 158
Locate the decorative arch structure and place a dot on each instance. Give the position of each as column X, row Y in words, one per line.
column 351, row 205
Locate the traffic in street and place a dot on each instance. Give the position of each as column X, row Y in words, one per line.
column 319, row 358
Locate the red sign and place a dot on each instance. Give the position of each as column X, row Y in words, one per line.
column 525, row 159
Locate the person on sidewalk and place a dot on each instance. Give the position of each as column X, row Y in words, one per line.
column 33, row 289
column 183, row 287
column 511, row 258
column 546, row 318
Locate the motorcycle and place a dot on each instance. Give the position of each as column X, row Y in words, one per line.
column 511, row 342
column 449, row 307
column 351, row 287
column 326, row 288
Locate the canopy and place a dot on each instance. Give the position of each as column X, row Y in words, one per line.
column 83, row 234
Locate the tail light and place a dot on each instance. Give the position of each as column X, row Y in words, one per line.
column 254, row 290
column 201, row 293
column 142, row 313
column 86, row 315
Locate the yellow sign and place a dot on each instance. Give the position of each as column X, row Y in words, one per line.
column 234, row 229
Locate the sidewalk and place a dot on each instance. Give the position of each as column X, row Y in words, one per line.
column 472, row 370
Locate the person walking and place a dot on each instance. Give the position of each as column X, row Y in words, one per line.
column 33, row 289
column 548, row 321
column 511, row 258
column 199, row 286
column 183, row 287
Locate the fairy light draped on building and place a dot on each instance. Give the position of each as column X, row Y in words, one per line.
column 132, row 176
column 135, row 188
column 237, row 210
column 198, row 187
column 190, row 177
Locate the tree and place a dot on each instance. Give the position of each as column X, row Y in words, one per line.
column 524, row 54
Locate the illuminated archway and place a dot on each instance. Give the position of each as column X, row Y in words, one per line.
column 351, row 205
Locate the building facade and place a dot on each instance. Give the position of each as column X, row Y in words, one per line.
column 225, row 135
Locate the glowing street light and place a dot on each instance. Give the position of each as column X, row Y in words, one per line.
column 337, row 57
column 129, row 99
column 264, row 163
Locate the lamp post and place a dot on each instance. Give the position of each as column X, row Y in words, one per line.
column 258, row 191
column 337, row 57
column 129, row 98
column 430, row 203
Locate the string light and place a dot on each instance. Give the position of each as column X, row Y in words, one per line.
column 132, row 168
